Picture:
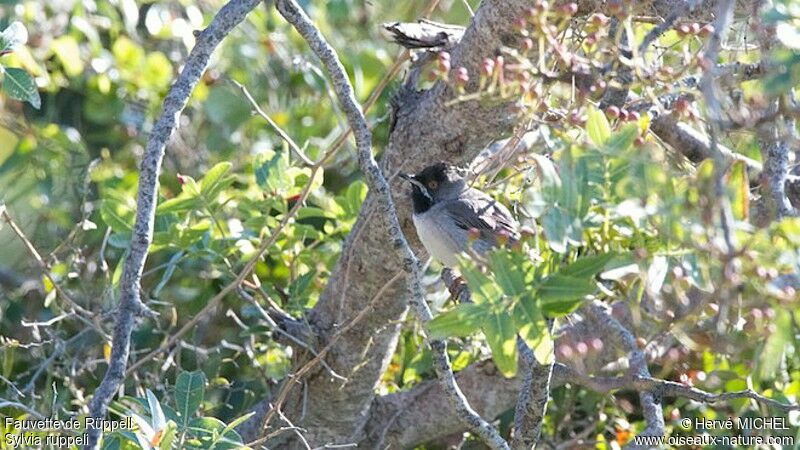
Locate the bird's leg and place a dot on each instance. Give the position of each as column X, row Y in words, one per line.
column 456, row 285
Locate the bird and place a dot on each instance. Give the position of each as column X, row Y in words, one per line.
column 448, row 215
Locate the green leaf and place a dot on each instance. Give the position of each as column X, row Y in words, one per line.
column 213, row 177
column 20, row 86
column 108, row 212
column 740, row 189
column 181, row 203
column 463, row 320
column 168, row 272
column 157, row 419
column 597, row 127
column 236, row 422
column 484, row 290
column 167, row 436
column 502, row 339
column 533, row 329
column 66, row 50
column 559, row 294
column 12, row 37
column 587, row 266
column 772, row 354
column 189, row 392
column 556, row 222
column 271, row 174
column 621, row 140
column 508, row 270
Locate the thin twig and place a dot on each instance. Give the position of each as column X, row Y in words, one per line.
column 380, row 187
column 80, row 312
column 307, row 367
column 651, row 406
column 130, row 304
column 286, row 138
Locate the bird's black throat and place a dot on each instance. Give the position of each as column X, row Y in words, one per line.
column 422, row 202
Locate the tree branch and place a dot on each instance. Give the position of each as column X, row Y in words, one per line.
column 651, row 406
column 425, row 130
column 130, row 305
column 378, row 185
column 412, row 417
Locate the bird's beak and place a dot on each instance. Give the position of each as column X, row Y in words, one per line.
column 416, row 183
column 413, row 180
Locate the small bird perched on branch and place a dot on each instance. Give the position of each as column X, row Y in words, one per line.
column 425, row 34
column 449, row 214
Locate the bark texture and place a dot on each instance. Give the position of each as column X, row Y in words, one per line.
column 426, row 129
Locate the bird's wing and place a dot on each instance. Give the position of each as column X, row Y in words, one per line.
column 423, row 34
column 478, row 210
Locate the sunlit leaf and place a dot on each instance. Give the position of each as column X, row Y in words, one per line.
column 502, row 339
column 587, row 266
column 597, row 126
column 12, row 37
column 740, row 188
column 212, row 178
column 533, row 329
column 560, row 294
column 66, row 50
column 463, row 320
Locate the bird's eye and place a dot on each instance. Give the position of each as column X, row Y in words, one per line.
column 433, row 184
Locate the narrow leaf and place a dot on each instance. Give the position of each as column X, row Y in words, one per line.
column 532, row 328
column 463, row 320
column 502, row 339
column 597, row 127
column 189, row 393
column 560, row 294
column 587, row 267
column 20, row 86
column 213, row 176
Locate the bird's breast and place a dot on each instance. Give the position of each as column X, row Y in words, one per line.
column 443, row 242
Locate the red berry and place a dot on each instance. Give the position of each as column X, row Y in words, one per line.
column 568, row 9
column 181, row 179
column 706, row 30
column 612, row 112
column 695, row 28
column 599, row 20
column 633, row 116
column 487, row 67
column 462, row 76
column 527, row 44
column 684, row 29
column 597, row 344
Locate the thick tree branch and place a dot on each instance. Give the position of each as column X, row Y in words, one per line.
column 532, row 399
column 425, row 130
column 418, row 415
column 381, row 189
column 130, row 305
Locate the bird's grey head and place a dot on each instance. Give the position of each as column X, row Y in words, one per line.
column 435, row 183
